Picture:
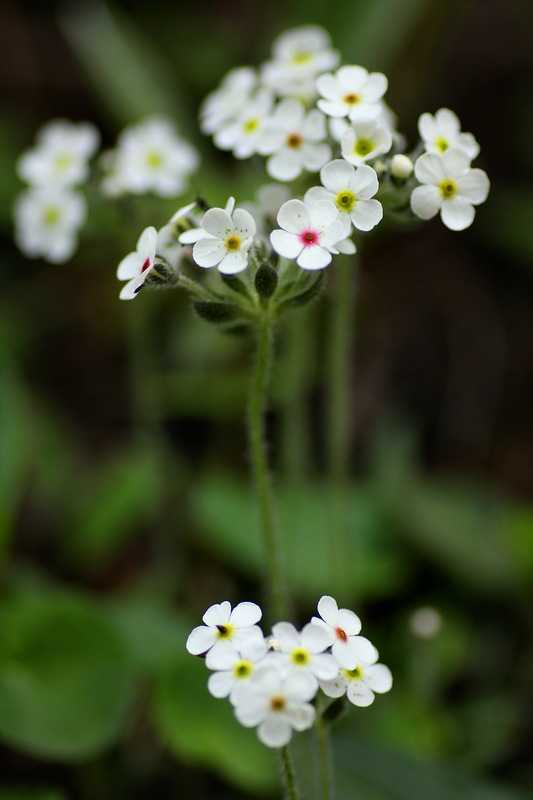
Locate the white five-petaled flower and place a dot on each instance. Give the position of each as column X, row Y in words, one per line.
column 303, row 652
column 359, row 683
column 168, row 244
column 310, row 233
column 351, row 92
column 449, row 186
column 299, row 55
column 223, row 239
column 349, row 191
column 342, row 627
column 227, row 102
column 151, row 157
column 47, row 221
column 234, row 667
column 276, row 703
column 248, row 134
column 222, row 625
column 296, row 140
column 136, row 266
column 443, row 131
column 61, row 156
column 365, row 140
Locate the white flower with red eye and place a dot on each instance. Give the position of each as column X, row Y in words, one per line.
column 310, row 234
column 228, row 101
column 247, row 134
column 351, row 92
column 223, row 239
column 365, row 140
column 61, row 156
column 359, row 683
column 349, row 191
column 136, row 266
column 276, row 703
column 296, row 140
column 450, row 186
column 47, row 222
column 222, row 625
column 443, row 131
column 303, row 652
column 342, row 627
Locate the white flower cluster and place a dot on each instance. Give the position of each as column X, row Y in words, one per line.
column 149, row 157
column 271, row 682
column 49, row 213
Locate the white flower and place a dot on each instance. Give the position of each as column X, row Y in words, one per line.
column 359, row 683
column 277, row 703
column 443, row 131
column 311, row 233
column 351, row 92
column 168, row 244
column 401, row 167
column 449, row 186
column 223, row 625
column 304, row 652
column 296, row 139
column 234, row 668
column 268, row 200
column 349, row 191
column 248, row 133
column 299, row 55
column 136, row 266
column 61, row 156
column 342, row 627
column 47, row 221
column 425, row 622
column 227, row 102
column 150, row 157
column 365, row 140
column 223, row 239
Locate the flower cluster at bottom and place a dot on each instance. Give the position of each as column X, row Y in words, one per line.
column 271, row 682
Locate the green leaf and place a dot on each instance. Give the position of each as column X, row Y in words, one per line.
column 217, row 313
column 302, row 298
column 66, row 682
column 202, row 730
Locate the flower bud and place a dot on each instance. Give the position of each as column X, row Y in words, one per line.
column 401, row 167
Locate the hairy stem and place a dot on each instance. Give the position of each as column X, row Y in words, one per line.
column 257, row 407
column 289, row 775
column 325, row 763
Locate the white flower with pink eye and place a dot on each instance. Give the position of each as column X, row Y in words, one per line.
column 351, row 92
column 222, row 625
column 309, row 234
column 136, row 266
column 342, row 627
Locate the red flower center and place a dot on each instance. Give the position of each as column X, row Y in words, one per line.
column 309, row 237
column 147, row 264
column 341, row 634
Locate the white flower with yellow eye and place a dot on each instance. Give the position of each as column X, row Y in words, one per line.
column 222, row 625
column 299, row 55
column 351, row 92
column 247, row 134
column 360, row 683
column 276, row 703
column 349, row 191
column 223, row 239
column 47, row 222
column 443, row 131
column 228, row 101
column 365, row 140
column 233, row 668
column 61, row 156
column 304, row 652
column 450, row 186
column 296, row 140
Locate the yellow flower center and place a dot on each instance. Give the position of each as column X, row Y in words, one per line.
column 363, row 147
column 441, row 144
column 154, row 159
column 63, row 162
column 232, row 242
column 251, row 125
column 243, row 669
column 448, row 188
column 51, row 215
column 294, row 140
column 353, row 674
column 278, row 703
column 225, row 631
column 345, row 200
column 302, row 57
column 352, row 98
column 300, row 656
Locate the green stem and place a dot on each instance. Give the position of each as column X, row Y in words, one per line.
column 196, row 290
column 257, row 406
column 294, row 382
column 289, row 775
column 324, row 756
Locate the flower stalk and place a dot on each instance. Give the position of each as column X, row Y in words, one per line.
column 289, row 776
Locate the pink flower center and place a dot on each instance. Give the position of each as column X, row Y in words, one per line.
column 147, row 264
column 341, row 634
column 309, row 237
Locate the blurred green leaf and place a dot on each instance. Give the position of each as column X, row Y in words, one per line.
column 506, row 223
column 66, row 682
column 31, row 794
column 202, row 730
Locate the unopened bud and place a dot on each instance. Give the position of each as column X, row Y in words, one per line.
column 401, row 167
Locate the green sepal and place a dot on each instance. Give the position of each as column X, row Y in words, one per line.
column 335, row 710
column 216, row 313
column 266, row 281
column 304, row 297
column 235, row 284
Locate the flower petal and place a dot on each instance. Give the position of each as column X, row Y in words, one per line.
column 379, row 678
column 218, row 614
column 365, row 182
column 328, row 86
column 334, row 688
column 426, row 201
column 244, row 223
column 474, row 186
column 367, row 214
column 448, row 122
column 337, row 175
column 233, row 263
column 250, row 710
column 200, row 639
column 314, row 638
column 275, row 731
column 375, row 87
column 301, row 717
column 223, row 656
column 456, row 163
column 147, row 243
column 284, row 165
column 360, row 694
column 217, row 222
column 220, row 684
column 287, row 636
column 129, row 267
column 328, row 610
column 208, row 252
column 363, row 649
column 293, row 216
column 333, row 108
column 457, row 214
column 349, row 622
column 314, row 258
column 324, row 667
column 286, row 244
column 317, row 194
column 352, row 78
column 429, row 168
column 245, row 614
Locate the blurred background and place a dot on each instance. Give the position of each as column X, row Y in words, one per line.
column 125, row 504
